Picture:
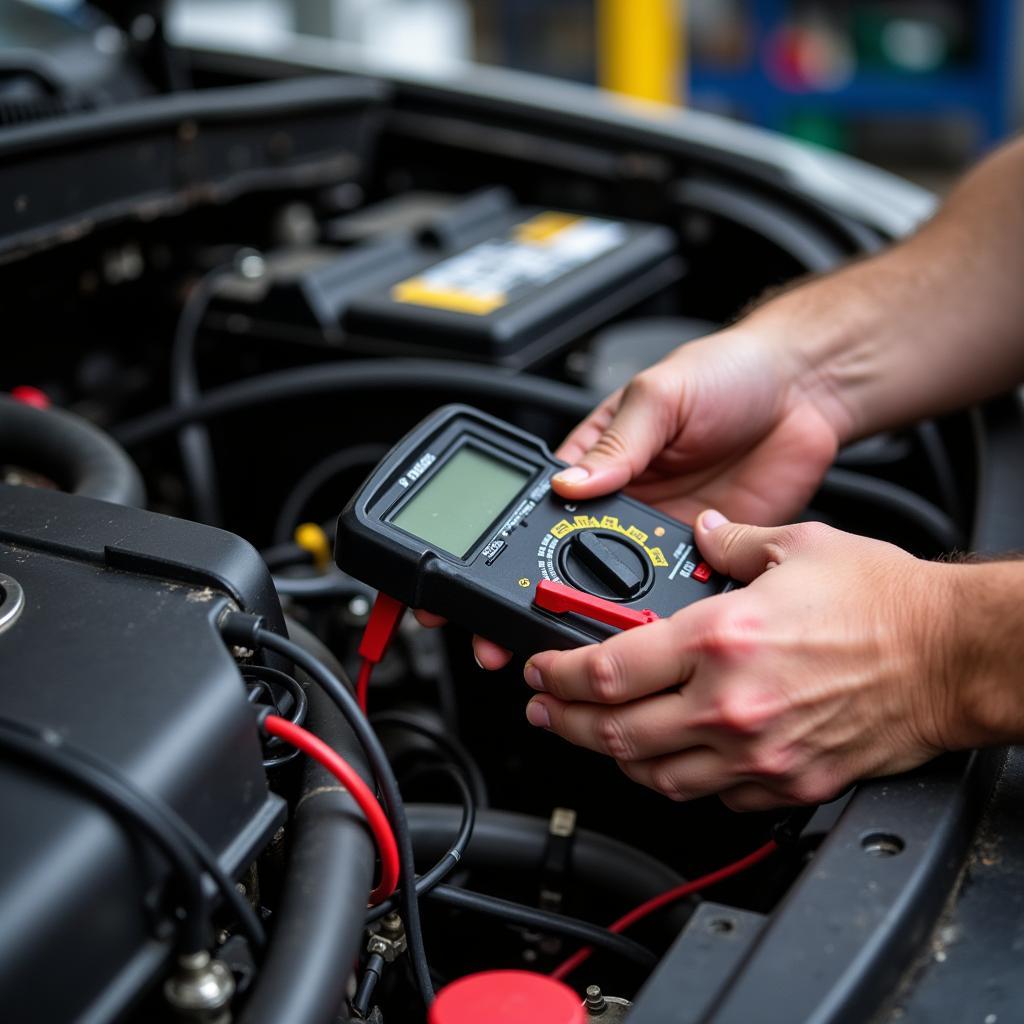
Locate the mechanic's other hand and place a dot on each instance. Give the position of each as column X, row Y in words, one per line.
column 732, row 421
column 488, row 655
column 829, row 667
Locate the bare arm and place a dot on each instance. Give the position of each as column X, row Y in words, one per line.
column 930, row 324
column 748, row 419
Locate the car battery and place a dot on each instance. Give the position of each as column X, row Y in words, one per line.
column 480, row 278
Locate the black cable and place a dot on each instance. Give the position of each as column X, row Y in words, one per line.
column 316, row 477
column 182, row 847
column 264, row 676
column 48, row 752
column 194, row 439
column 930, row 439
column 347, row 704
column 78, row 763
column 295, row 689
column 506, row 841
column 375, row 964
column 449, row 744
column 911, row 507
column 446, row 865
column 331, row 585
column 284, row 556
column 544, row 921
column 358, row 377
column 257, row 688
column 452, row 858
column 479, row 382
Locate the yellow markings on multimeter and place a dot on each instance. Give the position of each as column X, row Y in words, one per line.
column 563, row 528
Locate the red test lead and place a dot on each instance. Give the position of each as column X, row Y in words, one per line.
column 384, row 618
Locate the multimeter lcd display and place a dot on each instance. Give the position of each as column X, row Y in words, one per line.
column 460, row 500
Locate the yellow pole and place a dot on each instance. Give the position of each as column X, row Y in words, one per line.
column 640, row 48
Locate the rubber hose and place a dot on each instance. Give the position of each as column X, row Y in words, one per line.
column 481, row 382
column 318, row 926
column 77, row 456
column 193, row 439
column 317, row 476
column 505, row 839
column 470, row 380
column 904, row 503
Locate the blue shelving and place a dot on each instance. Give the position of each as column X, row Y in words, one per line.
column 980, row 92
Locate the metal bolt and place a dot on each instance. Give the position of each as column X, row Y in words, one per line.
column 201, row 989
column 611, row 1009
column 595, row 1003
column 387, row 939
column 251, row 264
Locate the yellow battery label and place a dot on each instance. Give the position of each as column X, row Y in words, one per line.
column 491, row 274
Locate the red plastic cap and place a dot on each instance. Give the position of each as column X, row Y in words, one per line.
column 28, row 395
column 507, row 997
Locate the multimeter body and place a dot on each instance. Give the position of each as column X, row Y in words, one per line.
column 460, row 519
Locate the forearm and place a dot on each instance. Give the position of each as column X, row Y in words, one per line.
column 931, row 324
column 984, row 657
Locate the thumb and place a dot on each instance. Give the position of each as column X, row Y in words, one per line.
column 745, row 552
column 639, row 430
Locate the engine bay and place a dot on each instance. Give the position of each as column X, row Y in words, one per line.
column 225, row 304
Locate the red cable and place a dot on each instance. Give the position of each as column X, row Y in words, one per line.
column 566, row 968
column 385, row 615
column 363, row 684
column 361, row 793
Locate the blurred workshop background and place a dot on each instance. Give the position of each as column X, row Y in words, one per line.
column 919, row 86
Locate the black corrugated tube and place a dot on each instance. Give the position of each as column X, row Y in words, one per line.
column 318, row 925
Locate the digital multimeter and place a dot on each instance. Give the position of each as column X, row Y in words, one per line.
column 459, row 519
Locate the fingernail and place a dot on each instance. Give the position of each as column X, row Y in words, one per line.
column 572, row 475
column 537, row 714
column 532, row 676
column 479, row 663
column 712, row 520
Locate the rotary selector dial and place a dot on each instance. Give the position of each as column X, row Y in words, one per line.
column 605, row 564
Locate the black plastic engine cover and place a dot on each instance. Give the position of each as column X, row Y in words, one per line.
column 116, row 648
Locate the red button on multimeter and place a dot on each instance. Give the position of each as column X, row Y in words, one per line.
column 428, row 524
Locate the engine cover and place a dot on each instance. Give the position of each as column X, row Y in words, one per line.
column 116, row 648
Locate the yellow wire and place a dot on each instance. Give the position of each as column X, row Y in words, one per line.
column 311, row 536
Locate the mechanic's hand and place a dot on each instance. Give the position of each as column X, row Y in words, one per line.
column 831, row 666
column 730, row 421
column 727, row 421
